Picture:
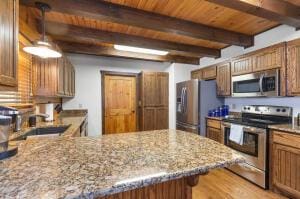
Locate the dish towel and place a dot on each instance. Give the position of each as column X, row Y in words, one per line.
column 236, row 134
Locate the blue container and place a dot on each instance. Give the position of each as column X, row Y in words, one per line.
column 217, row 112
column 226, row 110
column 210, row 113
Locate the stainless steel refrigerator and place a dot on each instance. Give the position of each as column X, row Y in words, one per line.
column 193, row 101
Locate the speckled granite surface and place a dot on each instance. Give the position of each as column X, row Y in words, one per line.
column 290, row 128
column 85, row 167
column 73, row 123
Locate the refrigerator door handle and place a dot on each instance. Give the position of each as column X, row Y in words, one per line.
column 181, row 100
column 185, row 99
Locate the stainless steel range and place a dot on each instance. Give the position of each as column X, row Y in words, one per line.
column 254, row 123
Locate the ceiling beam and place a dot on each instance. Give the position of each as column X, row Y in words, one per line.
column 90, row 49
column 274, row 10
column 105, row 11
column 78, row 33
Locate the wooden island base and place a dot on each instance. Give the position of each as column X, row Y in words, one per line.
column 173, row 189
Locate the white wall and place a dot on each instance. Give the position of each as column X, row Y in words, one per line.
column 88, row 83
column 276, row 35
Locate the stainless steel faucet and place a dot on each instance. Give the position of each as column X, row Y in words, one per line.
column 32, row 118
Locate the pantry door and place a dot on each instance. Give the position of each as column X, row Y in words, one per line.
column 119, row 104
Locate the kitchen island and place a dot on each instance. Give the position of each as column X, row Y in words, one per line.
column 153, row 164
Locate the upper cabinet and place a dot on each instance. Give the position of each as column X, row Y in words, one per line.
column 224, row 79
column 9, row 42
column 206, row 73
column 53, row 77
column 293, row 68
column 241, row 65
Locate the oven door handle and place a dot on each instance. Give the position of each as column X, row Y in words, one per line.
column 246, row 128
column 261, row 84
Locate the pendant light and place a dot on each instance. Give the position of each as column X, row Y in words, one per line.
column 42, row 48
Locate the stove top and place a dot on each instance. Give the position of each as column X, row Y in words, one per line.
column 262, row 116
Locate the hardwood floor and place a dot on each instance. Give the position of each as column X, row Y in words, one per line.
column 221, row 183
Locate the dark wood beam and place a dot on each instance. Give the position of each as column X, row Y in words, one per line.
column 66, row 32
column 90, row 49
column 274, row 10
column 105, row 11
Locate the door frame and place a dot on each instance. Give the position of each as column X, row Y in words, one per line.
column 125, row 74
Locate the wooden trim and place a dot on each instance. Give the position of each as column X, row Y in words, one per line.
column 115, row 13
column 91, row 49
column 114, row 73
column 275, row 10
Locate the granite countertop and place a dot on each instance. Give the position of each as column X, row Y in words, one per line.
column 290, row 128
column 73, row 122
column 74, row 167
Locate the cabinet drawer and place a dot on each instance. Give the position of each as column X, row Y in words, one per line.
column 213, row 123
column 286, row 139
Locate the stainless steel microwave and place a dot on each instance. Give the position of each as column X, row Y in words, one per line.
column 265, row 83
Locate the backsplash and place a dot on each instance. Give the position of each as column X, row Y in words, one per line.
column 236, row 104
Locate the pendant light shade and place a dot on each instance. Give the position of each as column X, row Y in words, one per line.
column 42, row 48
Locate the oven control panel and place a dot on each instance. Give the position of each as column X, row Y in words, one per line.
column 268, row 110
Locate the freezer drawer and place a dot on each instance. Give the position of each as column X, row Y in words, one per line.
column 188, row 128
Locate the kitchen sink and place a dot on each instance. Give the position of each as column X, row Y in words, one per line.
column 51, row 131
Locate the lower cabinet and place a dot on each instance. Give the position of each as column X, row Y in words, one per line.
column 213, row 130
column 154, row 118
column 285, row 163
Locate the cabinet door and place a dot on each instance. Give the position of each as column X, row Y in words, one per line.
column 209, row 72
column 197, row 74
column 148, row 122
column 269, row 58
column 9, row 42
column 214, row 134
column 73, row 82
column 162, row 90
column 61, row 75
column 286, row 170
column 224, row 80
column 293, row 68
column 67, row 78
column 161, row 118
column 149, row 89
column 44, row 77
column 241, row 65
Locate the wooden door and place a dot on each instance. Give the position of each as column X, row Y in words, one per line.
column 148, row 119
column 214, row 134
column 286, row 170
column 293, row 68
column 241, row 65
column 149, row 89
column 209, row 72
column 67, row 78
column 161, row 118
column 9, row 42
column 269, row 58
column 120, row 104
column 162, row 89
column 44, row 77
column 224, row 80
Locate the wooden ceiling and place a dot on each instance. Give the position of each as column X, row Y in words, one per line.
column 186, row 28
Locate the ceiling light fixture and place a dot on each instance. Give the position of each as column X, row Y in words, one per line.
column 42, row 48
column 140, row 50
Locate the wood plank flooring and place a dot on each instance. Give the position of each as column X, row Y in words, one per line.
column 221, row 183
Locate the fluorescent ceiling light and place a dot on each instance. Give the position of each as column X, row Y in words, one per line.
column 140, row 50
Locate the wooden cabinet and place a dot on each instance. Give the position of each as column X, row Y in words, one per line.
column 206, row 73
column 53, row 77
column 224, row 79
column 9, row 42
column 209, row 72
column 154, row 101
column 241, row 65
column 269, row 58
column 213, row 130
column 285, row 163
column 293, row 68
column 196, row 74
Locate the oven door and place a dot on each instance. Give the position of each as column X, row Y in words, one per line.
column 256, row 84
column 254, row 145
